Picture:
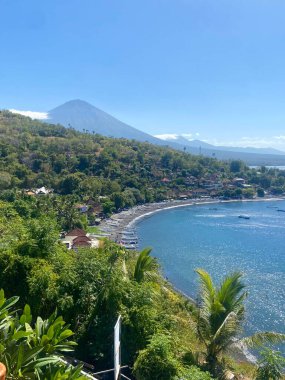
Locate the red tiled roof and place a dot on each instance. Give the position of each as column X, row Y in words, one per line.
column 76, row 232
column 82, row 241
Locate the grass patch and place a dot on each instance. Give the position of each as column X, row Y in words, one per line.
column 93, row 230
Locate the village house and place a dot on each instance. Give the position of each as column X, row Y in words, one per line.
column 78, row 238
column 191, row 181
column 40, row 191
column 200, row 193
column 212, row 185
column 238, row 182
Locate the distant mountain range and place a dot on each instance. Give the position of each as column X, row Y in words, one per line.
column 83, row 116
column 202, row 144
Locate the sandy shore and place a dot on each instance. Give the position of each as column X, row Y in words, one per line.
column 118, row 223
column 115, row 226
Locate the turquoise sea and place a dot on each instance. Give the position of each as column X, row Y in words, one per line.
column 214, row 238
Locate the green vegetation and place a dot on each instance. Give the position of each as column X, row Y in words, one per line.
column 163, row 334
column 91, row 287
column 114, row 173
column 270, row 366
column 157, row 361
column 220, row 317
column 145, row 265
column 93, row 229
column 31, row 350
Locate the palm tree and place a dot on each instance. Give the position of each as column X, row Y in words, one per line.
column 144, row 266
column 220, row 318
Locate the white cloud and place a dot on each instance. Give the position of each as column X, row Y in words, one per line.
column 32, row 114
column 279, row 138
column 167, row 136
column 174, row 136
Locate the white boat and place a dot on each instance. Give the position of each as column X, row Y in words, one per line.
column 132, row 232
column 129, row 241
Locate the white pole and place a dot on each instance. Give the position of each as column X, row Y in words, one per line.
column 117, row 348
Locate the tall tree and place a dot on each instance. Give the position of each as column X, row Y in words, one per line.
column 221, row 314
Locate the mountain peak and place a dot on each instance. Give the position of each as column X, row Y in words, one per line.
column 83, row 116
column 75, row 103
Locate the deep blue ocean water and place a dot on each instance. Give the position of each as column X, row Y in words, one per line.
column 218, row 241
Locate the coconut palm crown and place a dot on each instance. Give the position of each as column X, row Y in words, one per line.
column 221, row 312
column 221, row 315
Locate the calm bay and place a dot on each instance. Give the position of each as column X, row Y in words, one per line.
column 213, row 237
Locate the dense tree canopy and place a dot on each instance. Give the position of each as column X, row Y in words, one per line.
column 35, row 154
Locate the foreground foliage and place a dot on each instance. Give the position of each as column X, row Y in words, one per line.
column 158, row 361
column 91, row 287
column 270, row 366
column 31, row 351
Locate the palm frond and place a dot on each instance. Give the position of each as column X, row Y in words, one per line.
column 144, row 265
column 207, row 288
column 227, row 331
column 229, row 293
column 262, row 338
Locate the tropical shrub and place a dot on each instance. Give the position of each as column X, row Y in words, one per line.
column 31, row 351
column 193, row 373
column 271, row 365
column 157, row 360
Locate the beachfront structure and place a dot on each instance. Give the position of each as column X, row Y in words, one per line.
column 200, row 193
column 78, row 238
column 212, row 185
column 238, row 181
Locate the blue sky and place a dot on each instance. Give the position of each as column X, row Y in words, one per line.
column 213, row 68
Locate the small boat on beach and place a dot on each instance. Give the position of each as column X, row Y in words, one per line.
column 129, row 240
column 130, row 246
column 244, row 216
column 127, row 232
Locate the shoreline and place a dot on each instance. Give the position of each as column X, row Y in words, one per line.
column 117, row 224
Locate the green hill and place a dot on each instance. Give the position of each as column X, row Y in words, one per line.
column 35, row 154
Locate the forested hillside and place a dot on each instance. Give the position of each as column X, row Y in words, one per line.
column 35, row 154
